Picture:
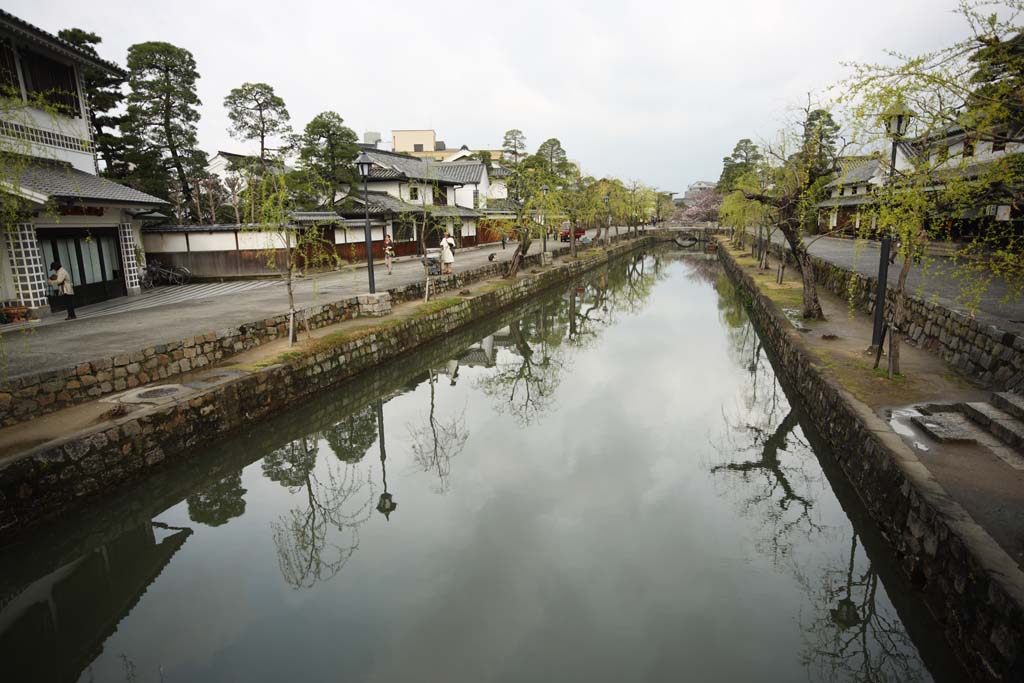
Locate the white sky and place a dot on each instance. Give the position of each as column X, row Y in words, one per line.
column 653, row 91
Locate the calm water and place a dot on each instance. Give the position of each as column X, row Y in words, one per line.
column 607, row 485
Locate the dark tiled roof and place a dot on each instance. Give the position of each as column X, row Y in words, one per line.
column 60, row 181
column 23, row 29
column 855, row 200
column 460, row 211
column 395, row 165
column 314, row 217
column 501, row 206
column 380, row 203
column 856, row 171
column 462, row 172
column 499, row 172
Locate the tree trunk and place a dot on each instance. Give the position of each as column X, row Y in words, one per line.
column 520, row 253
column 812, row 307
column 898, row 313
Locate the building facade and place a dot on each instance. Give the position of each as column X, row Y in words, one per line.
column 56, row 206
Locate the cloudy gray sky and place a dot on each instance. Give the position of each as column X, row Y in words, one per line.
column 655, row 91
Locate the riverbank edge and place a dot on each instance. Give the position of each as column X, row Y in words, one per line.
column 982, row 350
column 59, row 475
column 25, row 397
column 971, row 585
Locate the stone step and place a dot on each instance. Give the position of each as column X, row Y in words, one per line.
column 1002, row 425
column 1009, row 403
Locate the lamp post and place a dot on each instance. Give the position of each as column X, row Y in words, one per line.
column 544, row 221
column 897, row 120
column 363, row 165
column 608, row 210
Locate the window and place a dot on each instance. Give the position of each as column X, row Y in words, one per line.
column 9, row 72
column 853, row 190
column 968, row 148
column 53, row 81
column 999, row 146
column 403, row 231
column 414, row 193
column 842, row 191
column 417, row 147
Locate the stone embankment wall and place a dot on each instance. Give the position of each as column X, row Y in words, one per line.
column 972, row 586
column 55, row 475
column 24, row 398
column 977, row 349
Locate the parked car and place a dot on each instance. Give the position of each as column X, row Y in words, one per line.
column 580, row 232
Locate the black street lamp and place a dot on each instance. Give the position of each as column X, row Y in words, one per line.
column 544, row 218
column 897, row 120
column 363, row 165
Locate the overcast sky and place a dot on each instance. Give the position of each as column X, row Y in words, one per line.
column 653, row 91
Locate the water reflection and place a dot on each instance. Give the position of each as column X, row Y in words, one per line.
column 851, row 632
column 505, row 444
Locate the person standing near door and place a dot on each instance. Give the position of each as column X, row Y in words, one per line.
column 62, row 281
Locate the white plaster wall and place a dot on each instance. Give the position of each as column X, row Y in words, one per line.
column 211, row 241
column 255, row 239
column 498, row 189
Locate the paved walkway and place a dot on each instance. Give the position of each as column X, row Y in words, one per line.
column 935, row 279
column 168, row 314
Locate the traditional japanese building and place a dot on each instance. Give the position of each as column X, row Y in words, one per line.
column 56, row 205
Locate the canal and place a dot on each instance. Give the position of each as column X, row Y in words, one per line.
column 608, row 484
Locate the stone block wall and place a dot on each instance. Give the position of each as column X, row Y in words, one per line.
column 24, row 398
column 978, row 349
column 971, row 585
column 54, row 476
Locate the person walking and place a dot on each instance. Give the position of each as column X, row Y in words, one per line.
column 447, row 254
column 389, row 251
column 65, row 291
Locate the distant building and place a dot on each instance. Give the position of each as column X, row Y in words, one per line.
column 424, row 144
column 697, row 189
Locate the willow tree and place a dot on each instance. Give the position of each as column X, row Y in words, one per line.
column 962, row 174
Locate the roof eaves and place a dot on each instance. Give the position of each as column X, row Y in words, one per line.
column 49, row 40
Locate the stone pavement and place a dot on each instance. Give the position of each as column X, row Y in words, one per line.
column 932, row 281
column 57, row 343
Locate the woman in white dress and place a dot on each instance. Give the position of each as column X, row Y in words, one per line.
column 447, row 254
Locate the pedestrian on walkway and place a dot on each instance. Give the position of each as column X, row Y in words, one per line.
column 447, row 254
column 389, row 251
column 65, row 291
column 504, row 239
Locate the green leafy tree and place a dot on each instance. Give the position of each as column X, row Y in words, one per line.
column 256, row 112
column 327, row 148
column 484, row 157
column 513, row 147
column 745, row 156
column 103, row 92
column 160, row 122
column 555, row 161
column 965, row 96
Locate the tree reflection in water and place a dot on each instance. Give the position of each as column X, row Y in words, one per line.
column 435, row 443
column 315, row 539
column 218, row 502
column 853, row 634
column 850, row 636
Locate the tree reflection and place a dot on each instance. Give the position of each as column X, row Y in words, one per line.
column 853, row 633
column 218, row 502
column 315, row 539
column 850, row 636
column 435, row 443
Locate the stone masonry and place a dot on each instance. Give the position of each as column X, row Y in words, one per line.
column 971, row 585
column 54, row 476
column 980, row 350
